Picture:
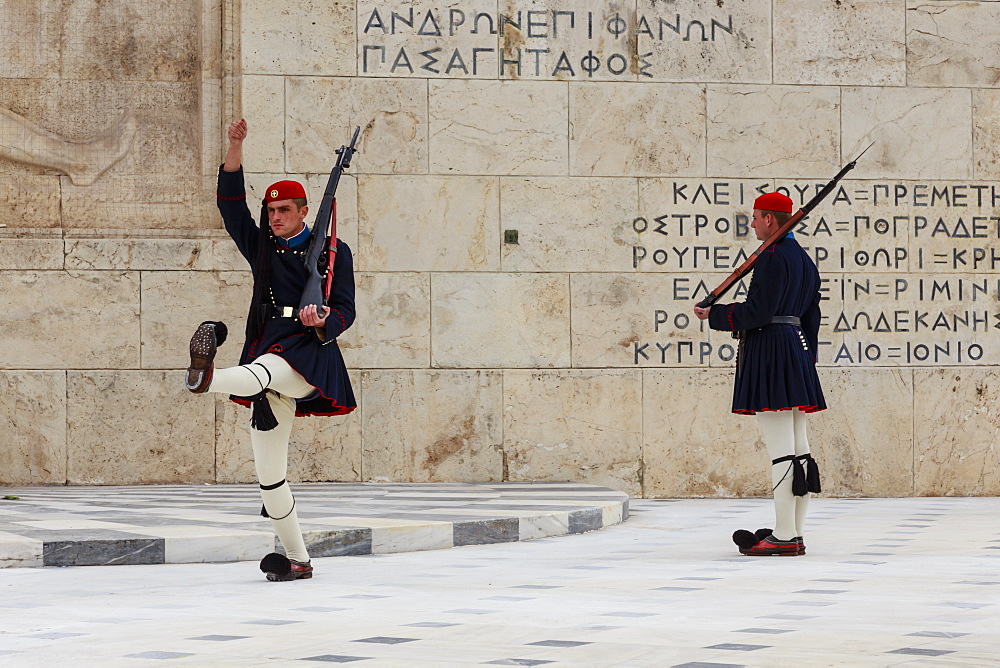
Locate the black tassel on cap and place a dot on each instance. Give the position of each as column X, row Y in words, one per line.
column 262, row 418
column 260, row 303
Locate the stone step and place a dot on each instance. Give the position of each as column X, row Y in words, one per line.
column 173, row 524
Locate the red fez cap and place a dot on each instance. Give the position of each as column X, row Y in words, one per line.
column 773, row 202
column 285, row 190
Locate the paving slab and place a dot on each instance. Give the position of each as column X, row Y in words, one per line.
column 885, row 582
column 176, row 524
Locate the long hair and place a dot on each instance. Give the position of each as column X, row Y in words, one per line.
column 260, row 302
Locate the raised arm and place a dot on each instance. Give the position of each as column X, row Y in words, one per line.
column 234, row 156
column 231, row 196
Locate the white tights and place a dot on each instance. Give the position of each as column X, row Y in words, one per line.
column 785, row 434
column 270, row 448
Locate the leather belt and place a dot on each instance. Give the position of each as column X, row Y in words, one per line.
column 776, row 320
column 284, row 312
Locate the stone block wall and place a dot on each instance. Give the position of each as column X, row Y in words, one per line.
column 623, row 143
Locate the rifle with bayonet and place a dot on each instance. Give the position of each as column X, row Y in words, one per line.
column 748, row 264
column 322, row 251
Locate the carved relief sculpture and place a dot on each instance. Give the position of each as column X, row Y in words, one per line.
column 83, row 161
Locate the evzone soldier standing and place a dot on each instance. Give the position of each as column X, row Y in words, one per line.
column 291, row 365
column 776, row 378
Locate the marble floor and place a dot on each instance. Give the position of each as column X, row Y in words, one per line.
column 177, row 524
column 886, row 582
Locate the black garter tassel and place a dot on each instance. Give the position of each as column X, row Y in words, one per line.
column 799, row 486
column 812, row 473
column 262, row 418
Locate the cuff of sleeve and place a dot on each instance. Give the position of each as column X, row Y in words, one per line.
column 721, row 318
column 231, row 186
column 320, row 333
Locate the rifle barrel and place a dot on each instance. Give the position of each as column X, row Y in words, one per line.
column 748, row 264
column 323, row 243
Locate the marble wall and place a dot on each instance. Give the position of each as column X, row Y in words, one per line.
column 543, row 190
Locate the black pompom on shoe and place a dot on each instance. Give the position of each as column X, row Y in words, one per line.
column 279, row 568
column 744, row 539
column 221, row 331
column 203, row 346
column 277, row 564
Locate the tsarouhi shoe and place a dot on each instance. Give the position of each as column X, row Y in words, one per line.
column 279, row 568
column 771, row 547
column 761, row 534
column 297, row 571
column 206, row 340
column 746, row 539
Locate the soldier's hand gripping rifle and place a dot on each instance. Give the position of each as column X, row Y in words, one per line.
column 322, row 251
column 748, row 264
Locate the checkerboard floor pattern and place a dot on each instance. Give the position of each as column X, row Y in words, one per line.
column 89, row 526
column 886, row 582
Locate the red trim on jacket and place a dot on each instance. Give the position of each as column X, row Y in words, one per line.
column 343, row 320
column 231, row 199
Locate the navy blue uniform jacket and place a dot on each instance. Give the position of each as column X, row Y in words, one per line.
column 320, row 362
column 776, row 367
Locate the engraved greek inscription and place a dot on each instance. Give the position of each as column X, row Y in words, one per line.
column 683, row 352
column 535, row 40
column 909, row 269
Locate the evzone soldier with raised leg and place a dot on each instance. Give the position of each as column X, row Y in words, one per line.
column 776, row 377
column 291, row 365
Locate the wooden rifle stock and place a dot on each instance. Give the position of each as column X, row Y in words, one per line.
column 790, row 224
column 322, row 251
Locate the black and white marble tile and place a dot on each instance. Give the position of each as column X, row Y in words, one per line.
column 77, row 526
column 665, row 588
